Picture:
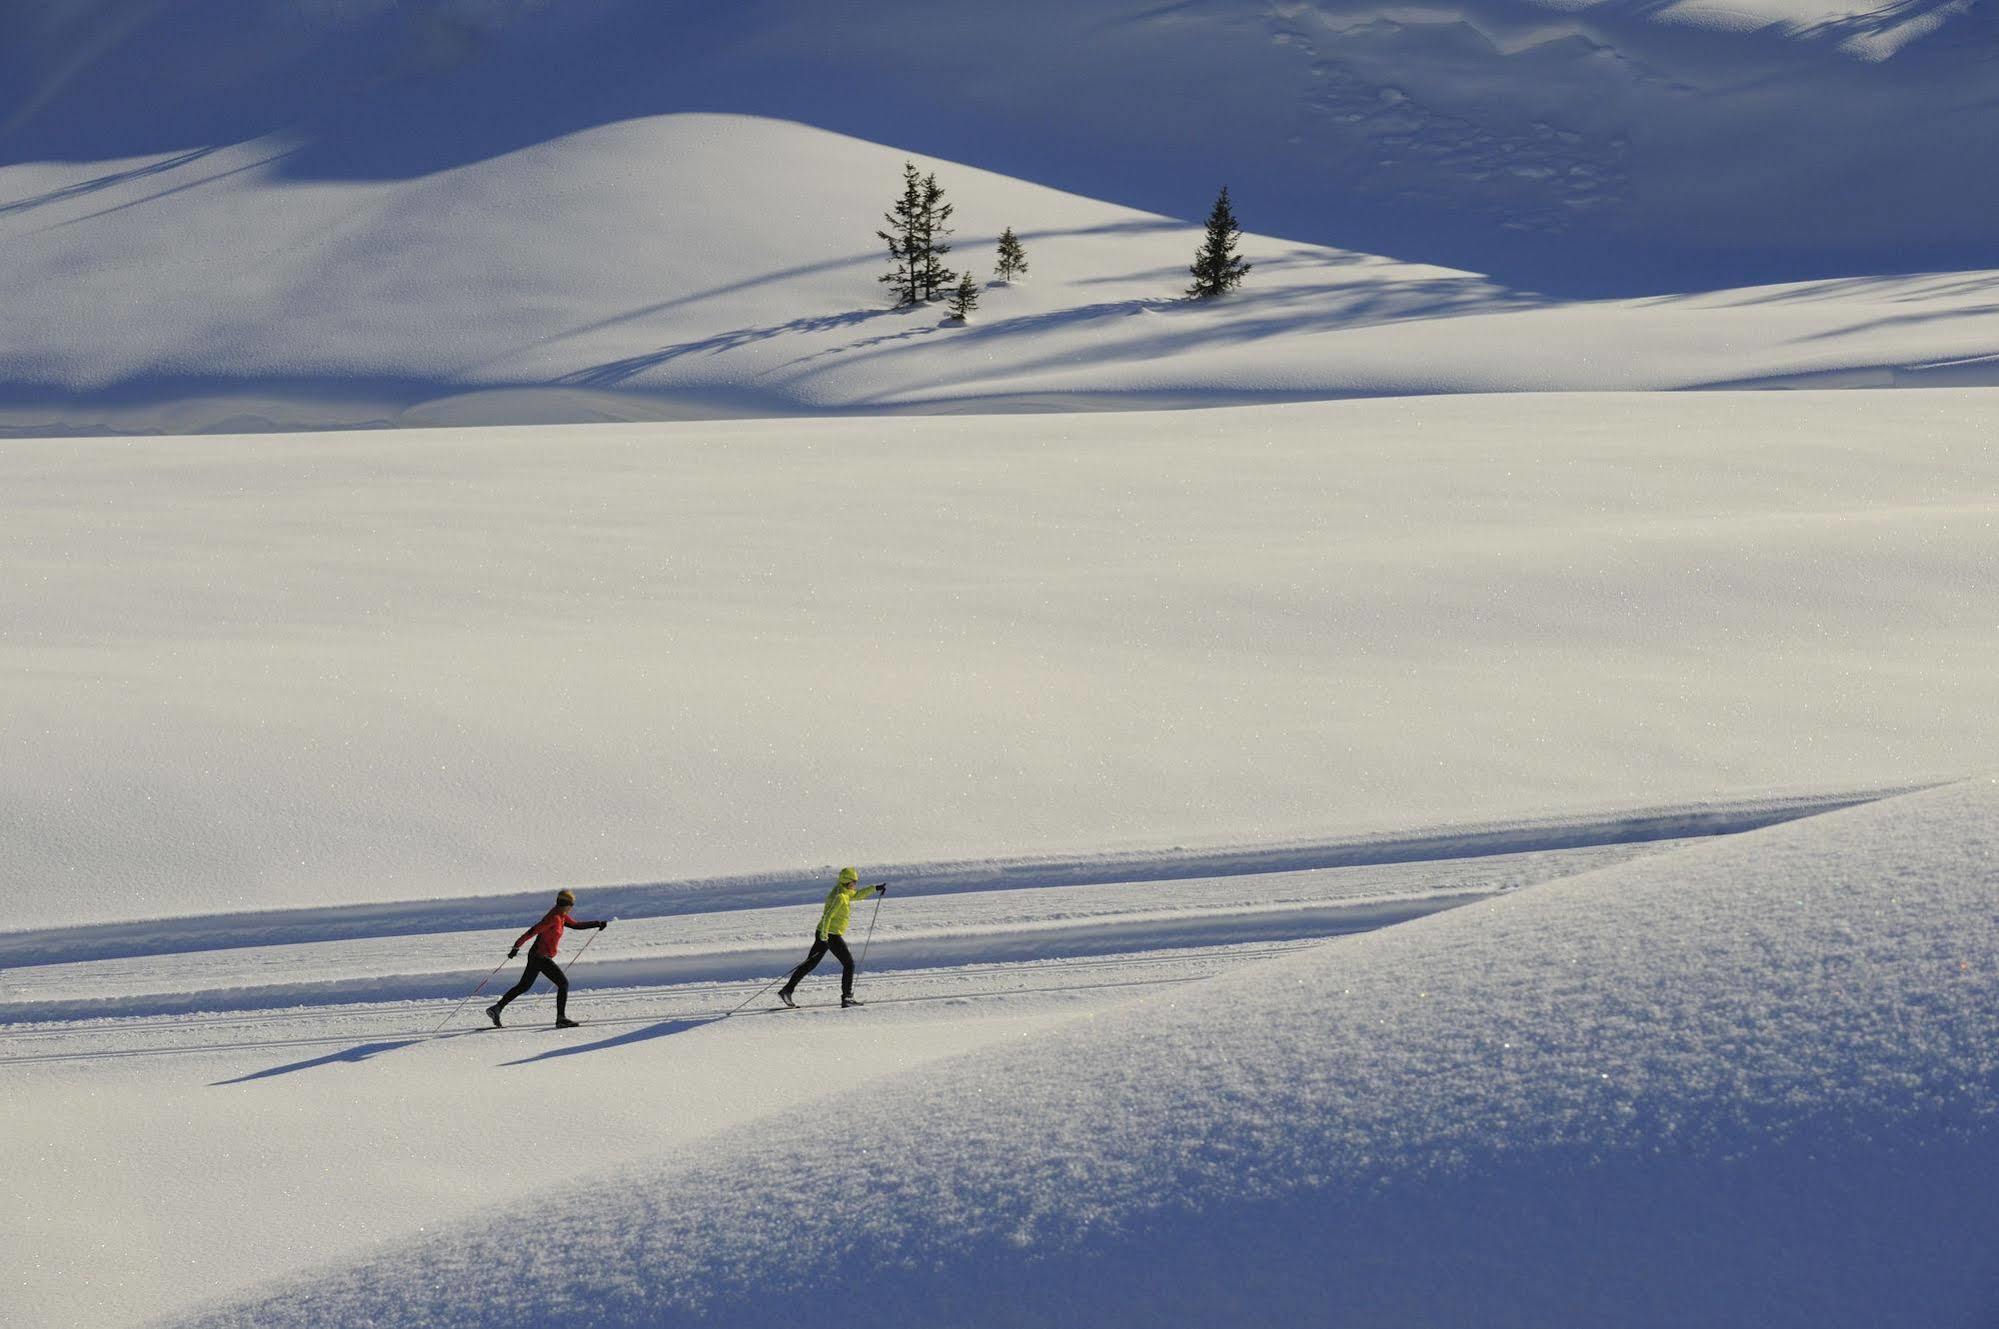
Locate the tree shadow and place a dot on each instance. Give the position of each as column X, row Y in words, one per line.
column 744, row 336
column 1256, row 315
column 109, row 181
column 1300, row 307
column 1903, row 320
column 1895, row 287
column 614, row 372
column 1880, row 22
column 1177, row 274
column 696, row 297
column 169, row 192
column 664, row 1029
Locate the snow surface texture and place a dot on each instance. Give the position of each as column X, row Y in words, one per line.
column 1749, row 1083
column 1589, row 1077
column 241, row 216
column 308, row 1102
column 351, row 669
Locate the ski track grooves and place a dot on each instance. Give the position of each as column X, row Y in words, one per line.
column 1109, row 937
column 406, row 1023
column 107, row 941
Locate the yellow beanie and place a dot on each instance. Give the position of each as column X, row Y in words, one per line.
column 565, row 897
column 848, row 876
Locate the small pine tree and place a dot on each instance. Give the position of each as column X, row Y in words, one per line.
column 1012, row 258
column 932, row 275
column 905, row 239
column 965, row 299
column 1217, row 268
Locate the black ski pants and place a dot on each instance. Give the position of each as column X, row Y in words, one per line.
column 545, row 967
column 820, row 945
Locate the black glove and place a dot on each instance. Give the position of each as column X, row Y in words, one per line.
column 601, row 926
column 514, row 954
column 881, row 888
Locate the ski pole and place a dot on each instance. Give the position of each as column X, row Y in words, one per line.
column 862, row 962
column 752, row 997
column 468, row 1001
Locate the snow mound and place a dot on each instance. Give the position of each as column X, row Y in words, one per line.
column 347, row 215
column 600, row 277
column 1745, row 1083
column 1564, row 143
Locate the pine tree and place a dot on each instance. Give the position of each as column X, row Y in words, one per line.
column 1217, row 268
column 1012, row 258
column 965, row 299
column 932, row 275
column 904, row 237
column 916, row 227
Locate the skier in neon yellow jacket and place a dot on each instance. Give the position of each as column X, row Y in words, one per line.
column 829, row 937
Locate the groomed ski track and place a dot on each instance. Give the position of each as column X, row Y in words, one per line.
column 766, row 890
column 693, row 951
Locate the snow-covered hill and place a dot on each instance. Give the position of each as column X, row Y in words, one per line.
column 240, row 216
column 1617, row 146
column 597, row 277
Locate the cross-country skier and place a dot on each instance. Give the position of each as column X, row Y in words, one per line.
column 833, row 923
column 547, row 936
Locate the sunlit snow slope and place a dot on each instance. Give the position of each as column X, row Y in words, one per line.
column 1617, row 144
column 1747, row 1083
column 356, row 669
column 245, row 216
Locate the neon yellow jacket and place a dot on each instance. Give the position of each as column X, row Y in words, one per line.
column 839, row 901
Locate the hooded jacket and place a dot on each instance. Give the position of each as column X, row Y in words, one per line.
column 839, row 903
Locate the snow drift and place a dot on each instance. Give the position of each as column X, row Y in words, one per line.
column 1747, row 1083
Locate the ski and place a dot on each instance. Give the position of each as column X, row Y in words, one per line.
column 493, row 1014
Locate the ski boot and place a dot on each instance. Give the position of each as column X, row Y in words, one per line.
column 493, row 1014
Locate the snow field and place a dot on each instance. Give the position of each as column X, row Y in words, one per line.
column 350, row 670
column 1676, row 1005
column 151, row 1182
column 1741, row 1083
column 372, row 1116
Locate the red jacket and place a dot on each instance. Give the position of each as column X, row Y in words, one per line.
column 548, row 932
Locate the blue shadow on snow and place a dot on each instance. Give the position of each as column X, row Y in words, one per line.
column 646, row 1034
column 358, row 1053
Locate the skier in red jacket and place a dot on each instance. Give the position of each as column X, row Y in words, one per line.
column 547, row 936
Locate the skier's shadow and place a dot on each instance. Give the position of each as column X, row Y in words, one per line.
column 358, row 1053
column 649, row 1032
